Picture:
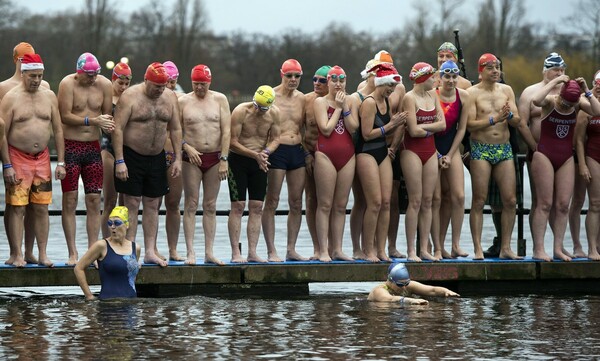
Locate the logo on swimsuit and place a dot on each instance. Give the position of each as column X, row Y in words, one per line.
column 339, row 127
column 562, row 131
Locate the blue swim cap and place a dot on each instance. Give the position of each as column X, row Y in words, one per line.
column 554, row 60
column 449, row 67
column 398, row 274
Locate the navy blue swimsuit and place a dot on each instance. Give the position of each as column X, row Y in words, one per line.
column 118, row 273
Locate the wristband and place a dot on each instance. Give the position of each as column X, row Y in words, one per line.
column 119, row 161
column 6, row 165
column 510, row 115
column 183, row 142
column 86, row 121
column 492, row 120
column 427, row 133
column 382, row 131
column 440, row 155
column 306, row 153
column 402, row 300
column 588, row 94
column 60, row 164
column 266, row 150
column 345, row 114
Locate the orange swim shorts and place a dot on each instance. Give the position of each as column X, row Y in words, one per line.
column 35, row 175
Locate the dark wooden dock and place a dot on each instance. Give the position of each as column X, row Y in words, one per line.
column 467, row 277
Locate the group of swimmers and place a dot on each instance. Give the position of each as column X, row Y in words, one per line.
column 366, row 141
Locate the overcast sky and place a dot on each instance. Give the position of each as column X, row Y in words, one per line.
column 377, row 16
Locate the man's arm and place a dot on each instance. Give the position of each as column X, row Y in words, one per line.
column 6, row 114
column 122, row 114
column 175, row 133
column 225, row 115
column 59, row 140
column 107, row 95
column 540, row 97
column 65, row 104
column 275, row 131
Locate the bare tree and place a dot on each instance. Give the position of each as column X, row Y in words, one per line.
column 586, row 18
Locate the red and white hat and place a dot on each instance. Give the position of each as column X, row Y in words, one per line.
column 32, row 62
column 385, row 74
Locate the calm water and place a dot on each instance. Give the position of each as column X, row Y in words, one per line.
column 333, row 322
column 328, row 324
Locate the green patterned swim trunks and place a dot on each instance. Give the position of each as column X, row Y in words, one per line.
column 492, row 153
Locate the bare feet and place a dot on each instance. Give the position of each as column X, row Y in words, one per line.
column 413, row 257
column 562, row 256
column 594, row 256
column 314, row 257
column 324, row 257
column 542, row 256
column 31, row 259
column 46, row 262
column 478, row 255
column 579, row 253
column 437, row 255
column 10, row 260
column 255, row 258
column 359, row 255
column 566, row 253
column 458, row 252
column 72, row 261
column 394, row 253
column 371, row 258
column 212, row 259
column 340, row 256
column 509, row 254
column 176, row 257
column 294, row 256
column 238, row 259
column 427, row 256
column 151, row 257
column 191, row 258
column 160, row 255
column 383, row 257
column 273, row 257
column 446, row 255
column 19, row 262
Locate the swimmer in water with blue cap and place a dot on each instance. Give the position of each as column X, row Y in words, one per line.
column 399, row 286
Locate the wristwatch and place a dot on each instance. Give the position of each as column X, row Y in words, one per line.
column 60, row 164
column 223, row 158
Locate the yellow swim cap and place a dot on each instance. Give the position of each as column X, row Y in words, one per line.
column 264, row 96
column 122, row 213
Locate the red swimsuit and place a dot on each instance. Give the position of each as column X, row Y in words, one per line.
column 423, row 147
column 592, row 147
column 338, row 147
column 556, row 138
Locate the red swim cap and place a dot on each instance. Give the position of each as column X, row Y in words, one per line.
column 570, row 91
column 201, row 74
column 337, row 72
column 486, row 59
column 289, row 66
column 420, row 72
column 121, row 70
column 156, row 73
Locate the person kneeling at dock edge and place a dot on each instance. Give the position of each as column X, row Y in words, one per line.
column 399, row 286
column 117, row 258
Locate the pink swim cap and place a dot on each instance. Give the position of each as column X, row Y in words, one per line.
column 87, row 63
column 171, row 69
column 570, row 91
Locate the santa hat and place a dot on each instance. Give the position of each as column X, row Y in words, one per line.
column 386, row 74
column 32, row 62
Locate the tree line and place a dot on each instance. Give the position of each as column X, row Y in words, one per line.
column 240, row 61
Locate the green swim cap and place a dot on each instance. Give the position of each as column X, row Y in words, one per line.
column 322, row 71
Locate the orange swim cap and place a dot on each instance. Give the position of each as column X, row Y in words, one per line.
column 22, row 49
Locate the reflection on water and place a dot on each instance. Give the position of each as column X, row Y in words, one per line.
column 320, row 326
